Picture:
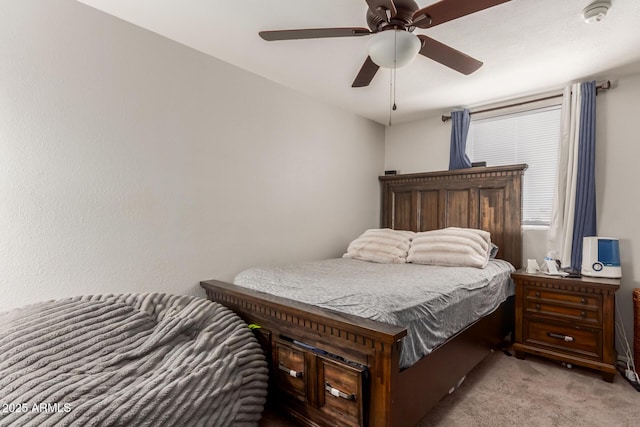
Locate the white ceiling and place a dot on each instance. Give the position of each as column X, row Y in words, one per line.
column 527, row 46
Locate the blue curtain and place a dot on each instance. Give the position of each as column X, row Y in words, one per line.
column 585, row 213
column 459, row 129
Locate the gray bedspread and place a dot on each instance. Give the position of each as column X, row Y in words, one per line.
column 432, row 302
column 129, row 360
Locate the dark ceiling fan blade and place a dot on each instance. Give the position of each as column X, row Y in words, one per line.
column 313, row 33
column 382, row 7
column 448, row 10
column 366, row 73
column 448, row 56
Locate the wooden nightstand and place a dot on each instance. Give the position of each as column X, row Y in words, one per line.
column 567, row 319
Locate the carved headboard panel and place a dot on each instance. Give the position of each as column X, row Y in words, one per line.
column 488, row 198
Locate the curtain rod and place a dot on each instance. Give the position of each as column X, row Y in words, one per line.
column 602, row 86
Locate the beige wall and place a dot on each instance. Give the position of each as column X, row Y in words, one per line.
column 130, row 163
column 424, row 146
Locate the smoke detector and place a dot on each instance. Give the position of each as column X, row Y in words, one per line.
column 596, row 11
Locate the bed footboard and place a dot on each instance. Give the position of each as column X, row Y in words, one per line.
column 308, row 346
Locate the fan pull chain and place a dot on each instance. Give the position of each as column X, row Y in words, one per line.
column 392, row 95
column 392, row 81
column 395, row 86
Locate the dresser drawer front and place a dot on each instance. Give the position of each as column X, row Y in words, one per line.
column 566, row 305
column 341, row 395
column 583, row 342
column 546, row 307
column 289, row 370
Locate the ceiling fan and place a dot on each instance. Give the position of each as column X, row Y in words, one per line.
column 399, row 47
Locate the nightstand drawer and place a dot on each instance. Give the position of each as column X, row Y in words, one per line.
column 584, row 342
column 570, row 306
column 568, row 312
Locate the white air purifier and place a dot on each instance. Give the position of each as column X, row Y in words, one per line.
column 601, row 257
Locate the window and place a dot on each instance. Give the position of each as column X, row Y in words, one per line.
column 530, row 137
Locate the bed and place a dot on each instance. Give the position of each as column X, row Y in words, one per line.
column 336, row 368
column 129, row 360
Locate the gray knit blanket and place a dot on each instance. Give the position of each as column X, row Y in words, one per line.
column 129, row 360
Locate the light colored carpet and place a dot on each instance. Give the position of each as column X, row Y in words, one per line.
column 535, row 392
column 505, row 391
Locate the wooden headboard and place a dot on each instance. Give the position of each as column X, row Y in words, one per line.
column 488, row 198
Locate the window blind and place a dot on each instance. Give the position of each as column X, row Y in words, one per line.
column 530, row 137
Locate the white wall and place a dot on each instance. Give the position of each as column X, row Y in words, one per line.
column 418, row 146
column 130, row 163
column 424, row 146
column 617, row 155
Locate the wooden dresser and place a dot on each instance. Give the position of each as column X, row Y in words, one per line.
column 567, row 319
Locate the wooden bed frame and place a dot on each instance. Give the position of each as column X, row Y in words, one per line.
column 488, row 198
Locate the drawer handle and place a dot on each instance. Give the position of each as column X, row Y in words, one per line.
column 583, row 300
column 337, row 393
column 295, row 374
column 537, row 306
column 538, row 294
column 583, row 314
column 566, row 338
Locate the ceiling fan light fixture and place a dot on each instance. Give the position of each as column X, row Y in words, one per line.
column 394, row 48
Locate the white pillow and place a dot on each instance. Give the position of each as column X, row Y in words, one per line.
column 456, row 247
column 382, row 245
